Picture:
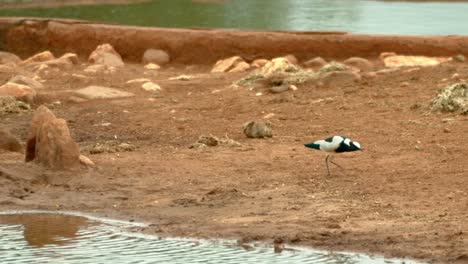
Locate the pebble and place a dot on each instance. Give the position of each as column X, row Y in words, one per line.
column 139, row 80
column 151, row 87
column 152, row 66
column 404, row 84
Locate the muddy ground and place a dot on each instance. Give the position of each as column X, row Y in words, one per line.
column 404, row 196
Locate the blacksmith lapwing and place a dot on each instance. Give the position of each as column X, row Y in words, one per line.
column 335, row 144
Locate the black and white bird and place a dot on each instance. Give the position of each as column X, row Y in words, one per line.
column 335, row 144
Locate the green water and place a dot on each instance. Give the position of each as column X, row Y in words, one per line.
column 357, row 16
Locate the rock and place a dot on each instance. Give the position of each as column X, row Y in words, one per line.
column 75, row 99
column 293, row 87
column 71, row 58
column 41, row 69
column 151, row 87
column 66, row 62
column 49, row 141
column 277, row 65
column 139, row 80
column 453, row 98
column 384, row 55
column 369, row 75
column 86, row 161
column 9, row 58
column 152, row 66
column 98, row 68
column 76, row 77
column 229, row 142
column 332, row 67
column 156, row 56
column 6, row 69
column 101, row 92
column 111, row 147
column 62, row 64
column 181, row 78
column 394, row 61
column 258, row 63
column 109, row 59
column 212, row 141
column 197, row 145
column 9, row 143
column 387, row 71
column 41, row 115
column 54, row 146
column 226, row 64
column 240, row 67
column 315, row 63
column 106, row 55
column 291, row 58
column 19, row 91
column 362, row 64
column 456, row 77
column 258, row 129
column 9, row 104
column 126, row 147
column 28, row 81
column 40, row 57
column 404, row 84
column 209, row 141
column 340, row 77
column 279, row 89
column 459, row 58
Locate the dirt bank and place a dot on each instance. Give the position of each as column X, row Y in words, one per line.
column 204, row 46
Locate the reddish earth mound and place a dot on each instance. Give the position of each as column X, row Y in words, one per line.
column 205, row 46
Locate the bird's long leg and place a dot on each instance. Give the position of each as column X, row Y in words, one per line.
column 331, row 160
column 326, row 162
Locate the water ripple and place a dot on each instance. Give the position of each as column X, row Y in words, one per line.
column 49, row 238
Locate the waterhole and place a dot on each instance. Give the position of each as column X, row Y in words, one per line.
column 356, row 16
column 70, row 237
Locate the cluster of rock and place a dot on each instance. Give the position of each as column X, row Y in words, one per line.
column 49, row 142
column 26, row 87
column 103, row 60
column 453, row 98
column 110, row 147
column 212, row 141
column 9, row 105
column 282, row 74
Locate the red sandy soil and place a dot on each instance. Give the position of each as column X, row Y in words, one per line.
column 404, row 196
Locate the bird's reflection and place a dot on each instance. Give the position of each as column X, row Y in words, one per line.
column 47, row 229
